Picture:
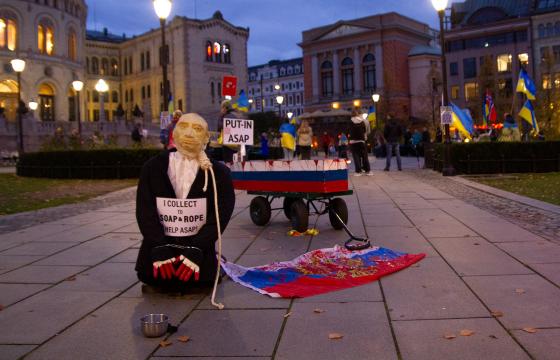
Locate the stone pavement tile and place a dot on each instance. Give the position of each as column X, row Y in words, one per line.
column 364, row 326
column 120, row 237
column 82, row 219
column 389, row 217
column 399, row 238
column 275, row 240
column 502, row 231
column 429, row 291
column 232, row 247
column 127, row 256
column 8, row 242
column 413, row 203
column 14, row 352
column 80, row 234
column 424, row 339
column 434, row 194
column 542, row 345
column 540, row 252
column 549, row 271
column 365, row 293
column 113, row 331
column 435, row 223
column 8, row 263
column 206, row 358
column 534, row 304
column 113, row 277
column 11, row 293
column 476, row 256
column 37, row 232
column 136, row 292
column 227, row 333
column 38, row 318
column 34, row 274
column 89, row 253
column 130, row 228
column 262, row 259
column 235, row 296
column 37, row 248
column 120, row 208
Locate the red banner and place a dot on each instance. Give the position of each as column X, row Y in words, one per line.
column 229, row 86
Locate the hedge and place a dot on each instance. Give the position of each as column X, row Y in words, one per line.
column 498, row 157
column 85, row 164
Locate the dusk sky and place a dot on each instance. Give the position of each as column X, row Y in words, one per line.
column 275, row 26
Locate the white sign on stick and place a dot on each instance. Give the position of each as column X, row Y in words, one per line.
column 238, row 132
column 446, row 115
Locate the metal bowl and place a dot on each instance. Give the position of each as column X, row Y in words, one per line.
column 154, row 325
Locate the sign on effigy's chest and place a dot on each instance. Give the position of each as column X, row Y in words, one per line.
column 181, row 217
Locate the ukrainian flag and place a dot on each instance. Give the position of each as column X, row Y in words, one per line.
column 462, row 121
column 242, row 103
column 526, row 85
column 372, row 116
column 288, row 139
column 527, row 113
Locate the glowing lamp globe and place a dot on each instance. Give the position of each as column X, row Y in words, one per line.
column 162, row 8
column 101, row 86
column 33, row 105
column 280, row 99
column 439, row 5
column 18, row 65
column 375, row 97
column 77, row 85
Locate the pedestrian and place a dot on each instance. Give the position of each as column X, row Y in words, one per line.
column 326, row 140
column 166, row 135
column 264, row 145
column 393, row 133
column 227, row 111
column 426, row 139
column 439, row 135
column 136, row 134
column 407, row 141
column 358, row 144
column 304, row 140
column 343, row 146
column 288, row 139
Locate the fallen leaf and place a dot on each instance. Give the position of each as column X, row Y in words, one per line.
column 335, row 336
column 530, row 330
column 476, row 244
column 497, row 313
column 466, row 332
column 165, row 343
column 449, row 336
column 318, row 311
column 183, row 338
column 520, row 291
column 492, row 336
column 71, row 278
column 288, row 314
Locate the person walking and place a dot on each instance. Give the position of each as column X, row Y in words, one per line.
column 304, row 140
column 136, row 135
column 343, row 146
column 288, row 139
column 358, row 144
column 393, row 133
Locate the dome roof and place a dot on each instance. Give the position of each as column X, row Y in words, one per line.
column 424, row 50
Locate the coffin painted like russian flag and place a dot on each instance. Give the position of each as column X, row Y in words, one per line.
column 321, row 271
column 318, row 176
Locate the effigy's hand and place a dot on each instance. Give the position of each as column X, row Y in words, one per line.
column 186, row 269
column 164, row 269
column 203, row 160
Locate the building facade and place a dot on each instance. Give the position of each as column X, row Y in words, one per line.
column 546, row 45
column 275, row 78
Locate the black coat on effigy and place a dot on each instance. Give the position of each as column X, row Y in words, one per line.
column 154, row 182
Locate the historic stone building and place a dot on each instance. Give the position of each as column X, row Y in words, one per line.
column 348, row 61
column 287, row 76
column 546, row 44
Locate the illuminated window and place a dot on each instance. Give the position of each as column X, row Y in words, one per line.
column 504, row 62
column 8, row 31
column 470, row 91
column 327, row 78
column 546, row 84
column 557, row 80
column 208, row 51
column 368, row 69
column 217, row 52
column 227, row 53
column 114, row 67
column 46, row 102
column 72, row 45
column 523, row 59
column 45, row 37
column 454, row 92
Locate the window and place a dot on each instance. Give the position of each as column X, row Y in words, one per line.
column 557, row 28
column 217, row 52
column 545, row 54
column 126, row 96
column 546, row 84
column 298, row 99
column 347, row 69
column 212, row 93
column 523, row 59
column 219, row 91
column 95, row 96
column 88, row 70
column 180, row 104
column 105, row 66
column 290, row 70
column 470, row 91
column 45, row 37
column 469, row 68
column 556, row 53
column 95, row 66
column 208, row 51
column 114, row 67
column 542, row 31
column 505, row 88
column 115, row 97
column 130, row 65
column 72, row 45
column 149, row 91
column 368, row 68
column 454, row 92
column 227, row 54
column 453, row 69
column 143, row 92
column 282, row 71
column 327, row 78
column 504, row 62
column 148, row 61
column 557, row 80
column 549, row 30
column 132, row 95
column 142, row 65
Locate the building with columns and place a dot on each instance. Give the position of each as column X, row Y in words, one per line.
column 348, row 61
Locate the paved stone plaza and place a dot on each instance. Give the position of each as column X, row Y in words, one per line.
column 69, row 290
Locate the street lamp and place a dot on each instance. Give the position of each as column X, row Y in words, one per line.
column 101, row 88
column 163, row 8
column 440, row 6
column 251, row 104
column 375, row 98
column 277, row 87
column 19, row 65
column 33, row 105
column 280, row 100
column 289, row 114
column 78, row 85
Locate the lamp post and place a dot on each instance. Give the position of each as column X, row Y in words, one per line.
column 279, row 100
column 101, row 88
column 19, row 65
column 162, row 9
column 78, row 85
column 375, row 98
column 440, row 6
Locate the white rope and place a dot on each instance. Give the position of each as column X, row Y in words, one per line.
column 218, row 225
column 206, row 181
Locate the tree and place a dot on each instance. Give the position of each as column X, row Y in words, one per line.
column 546, row 106
column 429, row 94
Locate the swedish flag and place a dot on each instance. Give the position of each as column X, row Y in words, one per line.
column 372, row 116
column 242, row 103
column 288, row 132
column 526, row 85
column 527, row 113
column 462, row 121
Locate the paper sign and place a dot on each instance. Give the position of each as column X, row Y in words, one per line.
column 181, row 217
column 229, row 86
column 238, row 132
column 164, row 119
column 446, row 115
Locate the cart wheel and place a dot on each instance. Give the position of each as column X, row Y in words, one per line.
column 288, row 206
column 299, row 215
column 338, row 205
column 260, row 211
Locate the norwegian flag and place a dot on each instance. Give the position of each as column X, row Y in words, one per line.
column 489, row 111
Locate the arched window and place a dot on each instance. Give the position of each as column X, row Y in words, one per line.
column 327, row 78
column 212, row 93
column 72, row 45
column 8, row 30
column 557, row 28
column 46, row 102
column 126, row 96
column 549, row 30
column 105, row 66
column 227, row 53
column 368, row 69
column 114, row 67
column 347, row 70
column 282, row 71
column 45, row 37
column 95, row 66
column 148, row 61
column 217, row 52
column 88, row 70
column 542, row 31
column 290, row 70
column 115, row 97
column 208, row 51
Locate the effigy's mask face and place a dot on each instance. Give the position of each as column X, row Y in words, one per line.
column 191, row 135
